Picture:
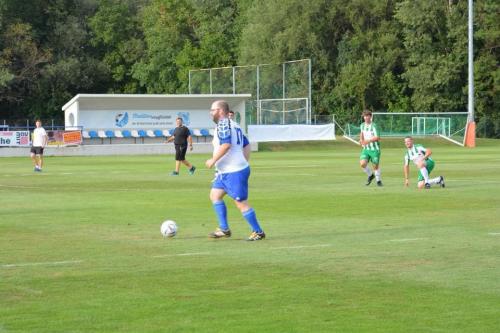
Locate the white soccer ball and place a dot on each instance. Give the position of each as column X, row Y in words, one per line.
column 168, row 228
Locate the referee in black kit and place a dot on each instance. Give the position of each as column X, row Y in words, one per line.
column 181, row 137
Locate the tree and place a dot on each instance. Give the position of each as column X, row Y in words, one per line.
column 435, row 66
column 277, row 31
column 369, row 62
column 486, row 68
column 165, row 24
column 213, row 37
column 119, row 41
column 354, row 47
column 394, row 55
column 21, row 59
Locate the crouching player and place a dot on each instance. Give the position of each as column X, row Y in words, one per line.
column 422, row 158
column 230, row 158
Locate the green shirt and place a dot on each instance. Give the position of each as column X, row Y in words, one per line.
column 369, row 131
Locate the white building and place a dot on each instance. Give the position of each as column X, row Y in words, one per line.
column 146, row 112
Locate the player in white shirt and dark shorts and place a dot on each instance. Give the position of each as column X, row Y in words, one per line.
column 230, row 158
column 40, row 140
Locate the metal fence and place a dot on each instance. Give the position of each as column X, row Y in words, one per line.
column 26, row 125
column 287, row 80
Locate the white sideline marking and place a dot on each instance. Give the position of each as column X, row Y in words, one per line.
column 351, row 139
column 19, row 186
column 48, row 263
column 77, row 188
column 285, row 167
column 494, row 233
column 406, row 239
column 183, row 254
column 473, row 180
column 299, row 247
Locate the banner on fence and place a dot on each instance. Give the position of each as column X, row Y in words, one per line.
column 64, row 138
column 15, row 138
column 72, row 137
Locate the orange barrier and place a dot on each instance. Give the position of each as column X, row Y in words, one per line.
column 470, row 135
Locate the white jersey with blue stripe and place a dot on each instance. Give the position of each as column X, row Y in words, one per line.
column 228, row 131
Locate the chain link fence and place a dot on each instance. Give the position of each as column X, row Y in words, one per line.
column 286, row 82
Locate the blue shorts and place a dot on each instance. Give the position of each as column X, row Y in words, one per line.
column 235, row 184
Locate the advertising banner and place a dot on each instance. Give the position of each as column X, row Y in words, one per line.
column 15, row 138
column 64, row 138
column 140, row 119
column 72, row 137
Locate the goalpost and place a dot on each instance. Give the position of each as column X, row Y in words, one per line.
column 450, row 126
column 430, row 126
column 283, row 111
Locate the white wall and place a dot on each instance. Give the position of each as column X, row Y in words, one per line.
column 71, row 116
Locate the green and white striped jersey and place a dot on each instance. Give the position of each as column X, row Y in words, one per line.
column 370, row 131
column 415, row 153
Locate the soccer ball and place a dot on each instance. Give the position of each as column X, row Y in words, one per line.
column 168, row 228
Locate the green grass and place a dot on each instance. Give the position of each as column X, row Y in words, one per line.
column 81, row 250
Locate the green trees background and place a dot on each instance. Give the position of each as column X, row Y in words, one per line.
column 387, row 55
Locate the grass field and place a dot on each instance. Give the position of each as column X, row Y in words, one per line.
column 81, row 250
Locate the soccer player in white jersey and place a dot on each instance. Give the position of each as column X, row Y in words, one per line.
column 422, row 158
column 229, row 157
column 40, row 140
column 370, row 140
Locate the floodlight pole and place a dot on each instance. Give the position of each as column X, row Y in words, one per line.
column 189, row 82
column 310, row 94
column 471, row 62
column 470, row 132
column 210, row 80
column 284, row 94
column 234, row 80
column 258, row 96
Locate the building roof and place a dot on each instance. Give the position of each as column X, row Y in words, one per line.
column 161, row 98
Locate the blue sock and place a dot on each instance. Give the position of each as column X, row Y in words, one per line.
column 221, row 212
column 251, row 218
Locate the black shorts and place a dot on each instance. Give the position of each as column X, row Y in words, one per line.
column 37, row 150
column 180, row 152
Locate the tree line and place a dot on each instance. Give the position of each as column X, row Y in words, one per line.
column 386, row 55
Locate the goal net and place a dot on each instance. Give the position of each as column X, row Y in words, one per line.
column 447, row 125
column 283, row 111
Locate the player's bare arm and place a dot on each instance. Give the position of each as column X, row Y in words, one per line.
column 223, row 149
column 428, row 153
column 246, row 152
column 362, row 139
column 406, row 170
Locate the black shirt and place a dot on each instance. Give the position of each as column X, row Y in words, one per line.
column 180, row 135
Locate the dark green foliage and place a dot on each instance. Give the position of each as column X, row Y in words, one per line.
column 389, row 55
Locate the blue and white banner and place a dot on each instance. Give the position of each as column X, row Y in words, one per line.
column 140, row 119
